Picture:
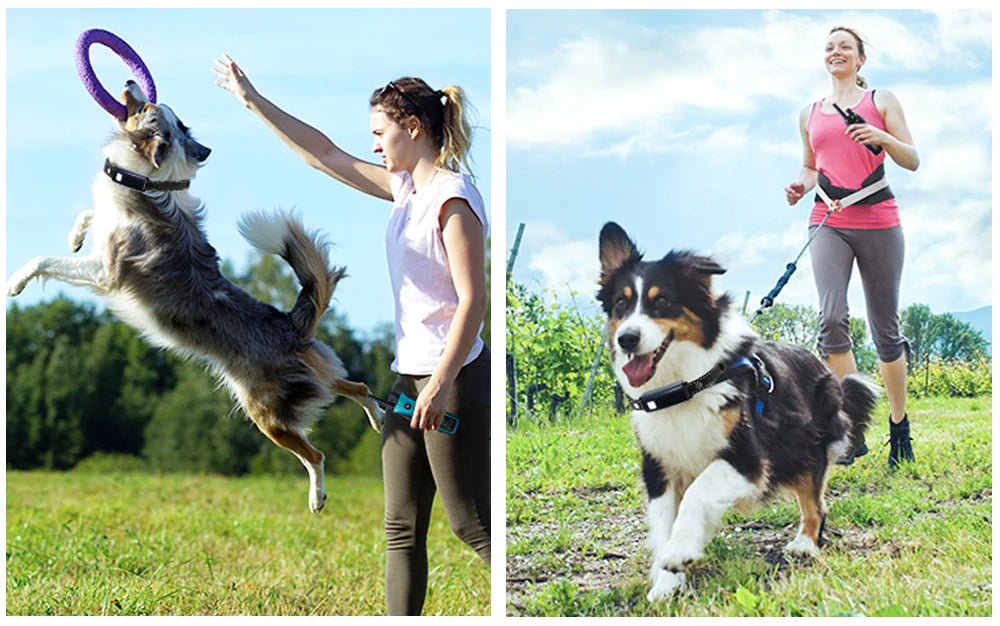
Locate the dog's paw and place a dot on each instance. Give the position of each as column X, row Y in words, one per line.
column 76, row 241
column 677, row 556
column 317, row 500
column 16, row 284
column 801, row 546
column 666, row 584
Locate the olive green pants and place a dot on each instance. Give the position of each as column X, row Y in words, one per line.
column 417, row 464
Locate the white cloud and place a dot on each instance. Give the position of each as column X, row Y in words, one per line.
column 649, row 86
column 695, row 93
column 558, row 263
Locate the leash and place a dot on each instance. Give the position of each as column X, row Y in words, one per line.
column 681, row 391
column 403, row 405
column 835, row 205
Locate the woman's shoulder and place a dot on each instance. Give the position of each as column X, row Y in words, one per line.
column 458, row 185
column 885, row 101
column 883, row 96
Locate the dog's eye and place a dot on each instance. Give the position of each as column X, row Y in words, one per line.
column 661, row 302
column 619, row 304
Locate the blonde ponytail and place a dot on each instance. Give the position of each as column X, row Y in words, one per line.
column 456, row 130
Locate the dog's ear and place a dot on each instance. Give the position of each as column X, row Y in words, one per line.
column 195, row 151
column 705, row 266
column 616, row 250
column 697, row 268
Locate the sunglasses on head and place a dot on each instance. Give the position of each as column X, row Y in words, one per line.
column 392, row 85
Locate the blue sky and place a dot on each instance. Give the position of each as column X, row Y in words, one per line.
column 682, row 126
column 320, row 65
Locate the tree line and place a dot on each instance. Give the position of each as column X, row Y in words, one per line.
column 80, row 383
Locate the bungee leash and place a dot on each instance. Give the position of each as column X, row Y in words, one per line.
column 403, row 405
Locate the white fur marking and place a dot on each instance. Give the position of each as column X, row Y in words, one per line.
column 801, row 546
column 712, row 493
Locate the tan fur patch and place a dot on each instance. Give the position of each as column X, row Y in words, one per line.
column 612, row 333
column 627, row 292
column 811, row 506
column 318, row 364
column 687, row 327
column 350, row 388
column 731, row 418
column 653, row 292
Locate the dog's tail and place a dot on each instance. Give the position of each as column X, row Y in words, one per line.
column 308, row 253
column 860, row 395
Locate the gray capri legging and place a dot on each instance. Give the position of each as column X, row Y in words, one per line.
column 417, row 464
column 879, row 254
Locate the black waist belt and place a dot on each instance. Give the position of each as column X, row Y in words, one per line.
column 839, row 193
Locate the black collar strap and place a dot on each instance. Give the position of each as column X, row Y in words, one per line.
column 682, row 391
column 134, row 180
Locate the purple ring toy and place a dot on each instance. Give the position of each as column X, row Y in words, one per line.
column 127, row 54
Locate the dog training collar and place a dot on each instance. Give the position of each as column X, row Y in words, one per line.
column 681, row 391
column 134, row 180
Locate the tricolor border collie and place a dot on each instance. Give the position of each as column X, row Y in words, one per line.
column 776, row 418
column 154, row 266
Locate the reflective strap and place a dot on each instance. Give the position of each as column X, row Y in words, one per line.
column 855, row 197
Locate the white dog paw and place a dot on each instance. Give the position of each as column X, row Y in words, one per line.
column 317, row 500
column 16, row 285
column 677, row 556
column 801, row 546
column 666, row 584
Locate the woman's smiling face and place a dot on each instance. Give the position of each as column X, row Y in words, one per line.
column 842, row 55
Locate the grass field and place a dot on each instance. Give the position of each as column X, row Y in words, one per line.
column 146, row 544
column 916, row 542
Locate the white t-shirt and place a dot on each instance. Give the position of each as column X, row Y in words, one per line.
column 422, row 284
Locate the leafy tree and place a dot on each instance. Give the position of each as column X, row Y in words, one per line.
column 60, row 438
column 959, row 341
column 865, row 355
column 193, row 429
column 920, row 327
column 796, row 324
column 940, row 336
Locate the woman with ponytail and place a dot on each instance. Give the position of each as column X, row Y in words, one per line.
column 843, row 156
column 435, row 245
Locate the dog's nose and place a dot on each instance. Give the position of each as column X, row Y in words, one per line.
column 629, row 341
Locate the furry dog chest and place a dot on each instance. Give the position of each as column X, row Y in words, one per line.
column 683, row 439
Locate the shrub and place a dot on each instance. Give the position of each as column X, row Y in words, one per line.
column 954, row 379
column 111, row 463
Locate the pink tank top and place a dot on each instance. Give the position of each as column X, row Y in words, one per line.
column 847, row 163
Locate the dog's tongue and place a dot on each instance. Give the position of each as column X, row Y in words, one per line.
column 639, row 369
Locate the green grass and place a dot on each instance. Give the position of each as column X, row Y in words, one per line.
column 916, row 542
column 146, row 544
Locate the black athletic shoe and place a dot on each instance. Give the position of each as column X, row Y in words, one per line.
column 848, row 457
column 899, row 443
